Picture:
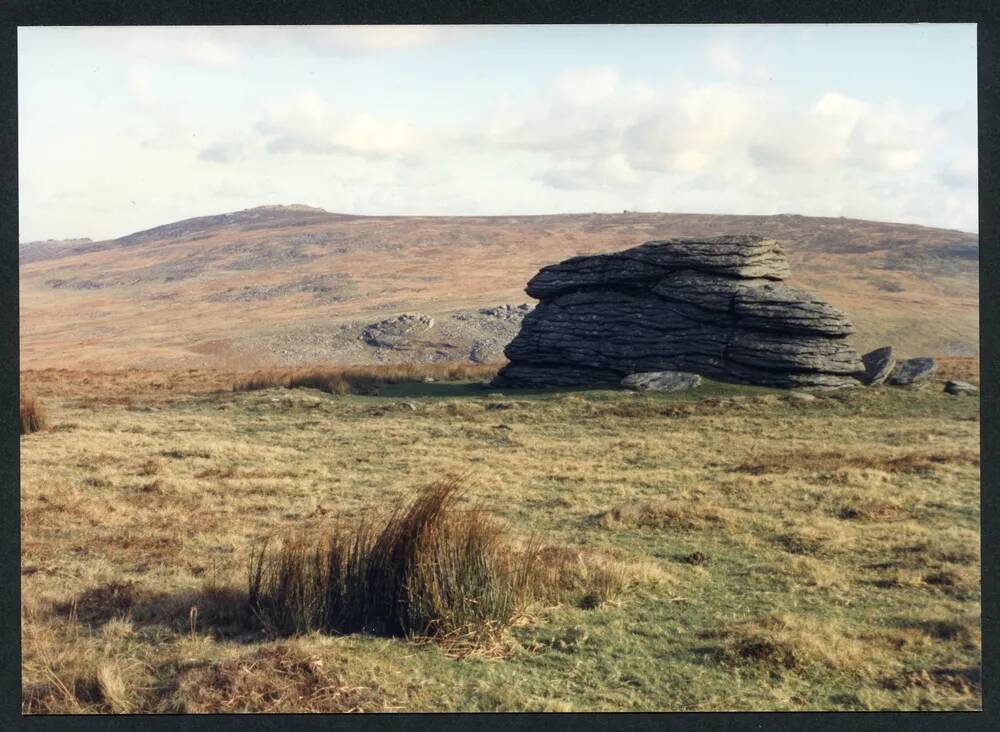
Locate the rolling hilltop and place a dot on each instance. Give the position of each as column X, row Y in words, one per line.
column 285, row 285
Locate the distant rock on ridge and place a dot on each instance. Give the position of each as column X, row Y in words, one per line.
column 712, row 306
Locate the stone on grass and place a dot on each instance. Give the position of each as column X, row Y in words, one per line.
column 960, row 387
column 800, row 396
column 912, row 371
column 661, row 381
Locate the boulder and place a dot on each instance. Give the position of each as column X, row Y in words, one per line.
column 878, row 365
column 958, row 388
column 714, row 307
column 661, row 381
column 912, row 371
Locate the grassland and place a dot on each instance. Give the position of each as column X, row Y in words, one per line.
column 775, row 553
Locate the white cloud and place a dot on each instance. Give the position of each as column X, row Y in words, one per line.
column 587, row 86
column 158, row 124
column 141, row 86
column 227, row 45
column 199, row 47
column 840, row 130
column 582, row 113
column 370, row 39
column 223, row 151
column 724, row 57
column 310, row 124
column 606, row 173
column 961, row 172
column 685, row 133
column 205, row 49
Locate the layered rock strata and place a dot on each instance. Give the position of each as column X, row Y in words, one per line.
column 715, row 307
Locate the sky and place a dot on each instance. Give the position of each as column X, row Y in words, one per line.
column 125, row 128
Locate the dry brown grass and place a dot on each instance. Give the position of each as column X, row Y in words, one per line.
column 274, row 679
column 665, row 513
column 365, row 379
column 588, row 577
column 32, row 415
column 958, row 369
column 827, row 460
column 786, row 642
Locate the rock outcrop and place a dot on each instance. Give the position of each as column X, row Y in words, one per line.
column 715, row 307
column 393, row 332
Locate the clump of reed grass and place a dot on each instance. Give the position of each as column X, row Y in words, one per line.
column 261, row 380
column 32, row 415
column 365, row 379
column 429, row 569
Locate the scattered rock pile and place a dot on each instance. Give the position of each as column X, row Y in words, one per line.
column 391, row 332
column 715, row 307
column 507, row 311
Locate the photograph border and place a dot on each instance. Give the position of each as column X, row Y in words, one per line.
column 16, row 13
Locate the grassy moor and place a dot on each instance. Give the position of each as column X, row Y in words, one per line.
column 281, row 286
column 209, row 541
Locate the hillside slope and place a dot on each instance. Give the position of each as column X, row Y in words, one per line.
column 280, row 285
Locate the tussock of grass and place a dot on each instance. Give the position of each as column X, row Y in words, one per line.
column 937, row 686
column 663, row 514
column 789, row 643
column 279, row 678
column 816, row 573
column 114, row 689
column 365, row 379
column 262, row 380
column 152, row 466
column 32, row 415
column 813, row 538
column 868, row 508
column 964, row 630
column 429, row 569
column 589, row 578
column 72, row 677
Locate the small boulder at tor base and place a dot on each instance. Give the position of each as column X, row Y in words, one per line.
column 801, row 397
column 878, row 365
column 661, row 381
column 958, row 388
column 912, row 371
